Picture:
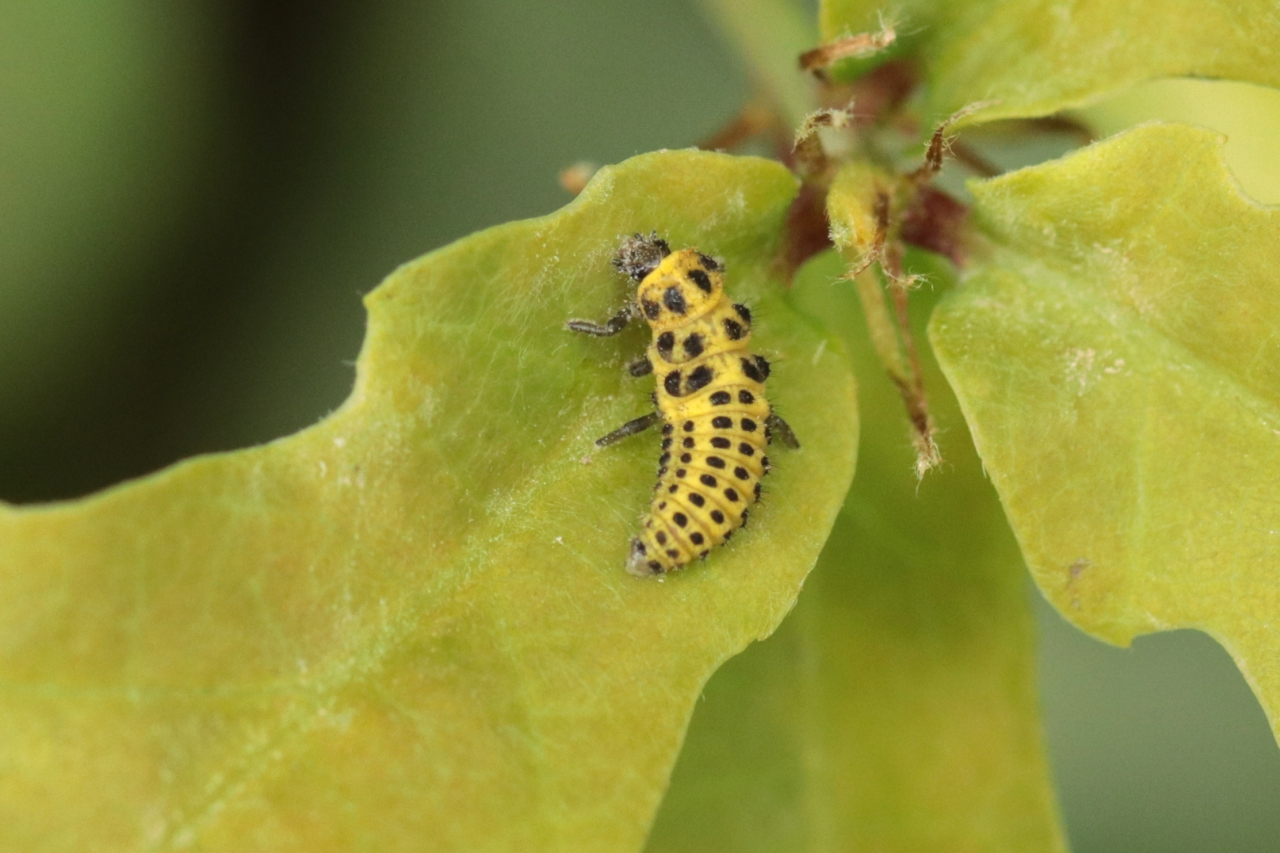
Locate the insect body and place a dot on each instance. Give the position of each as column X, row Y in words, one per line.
column 716, row 422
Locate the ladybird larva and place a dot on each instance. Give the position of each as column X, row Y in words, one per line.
column 716, row 420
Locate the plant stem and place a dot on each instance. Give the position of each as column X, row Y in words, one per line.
column 770, row 35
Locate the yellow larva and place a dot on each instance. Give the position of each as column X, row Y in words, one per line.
column 716, row 421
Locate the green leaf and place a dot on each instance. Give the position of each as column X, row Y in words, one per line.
column 1117, row 357
column 408, row 627
column 1037, row 57
column 896, row 707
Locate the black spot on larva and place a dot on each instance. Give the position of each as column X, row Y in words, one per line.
column 762, row 364
column 672, row 383
column 700, row 279
column 689, row 441
column 752, row 372
column 722, row 422
column 728, row 535
column 731, row 494
column 741, row 473
column 733, row 329
column 720, row 398
column 661, row 538
column 746, row 449
column 674, row 300
column 688, row 426
column 673, row 553
column 717, row 516
column 709, row 262
column 764, row 460
column 680, row 472
column 666, row 444
column 696, row 499
column 745, row 397
column 703, row 555
column 715, row 461
column 664, row 459
column 700, row 378
column 666, row 342
column 742, row 522
column 643, row 367
column 672, row 488
column 651, row 309
column 667, row 429
column 693, row 345
column 686, row 458
column 655, row 566
column 638, row 547
column 748, row 425
column 743, row 311
column 721, row 442
column 708, row 481
column 757, row 490
column 662, row 470
column 696, row 538
column 681, row 519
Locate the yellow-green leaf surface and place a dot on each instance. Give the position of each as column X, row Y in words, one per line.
column 1040, row 56
column 409, row 627
column 1118, row 358
column 895, row 709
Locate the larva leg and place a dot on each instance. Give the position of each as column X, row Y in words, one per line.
column 780, row 428
column 640, row 367
column 612, row 326
column 630, row 428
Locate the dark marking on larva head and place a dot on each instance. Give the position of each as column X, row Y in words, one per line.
column 701, row 279
column 751, row 370
column 693, row 345
column 717, row 516
column 732, row 494
column 748, row 425
column 674, row 300
column 639, row 255
column 743, row 311
column 733, row 329
column 696, row 538
column 666, row 343
column 745, row 397
column 710, row 263
column 699, row 378
column 708, row 481
column 741, row 473
column 697, row 499
column 672, row 383
column 746, row 449
column 762, row 364
column 651, row 309
column 715, row 462
column 722, row 422
column 721, row 442
column 680, row 519
column 720, row 398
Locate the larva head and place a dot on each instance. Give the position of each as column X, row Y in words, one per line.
column 675, row 287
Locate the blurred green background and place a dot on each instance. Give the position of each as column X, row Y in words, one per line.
column 194, row 197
